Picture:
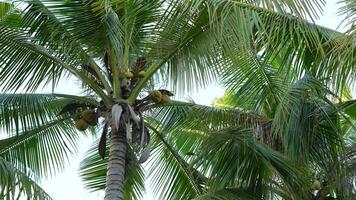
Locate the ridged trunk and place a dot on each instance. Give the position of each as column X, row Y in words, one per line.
column 116, row 166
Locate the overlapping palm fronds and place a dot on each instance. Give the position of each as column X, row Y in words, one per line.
column 38, row 144
column 16, row 183
column 283, row 76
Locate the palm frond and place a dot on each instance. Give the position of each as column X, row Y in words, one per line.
column 15, row 183
column 43, row 25
column 189, row 52
column 28, row 65
column 172, row 176
column 300, row 8
column 194, row 116
column 346, row 186
column 184, row 122
column 10, row 15
column 233, row 158
column 24, row 63
column 298, row 46
column 211, row 33
column 228, row 194
column 139, row 18
column 114, row 29
column 260, row 50
column 253, row 84
column 349, row 107
column 39, row 22
column 347, row 10
column 43, row 149
column 82, row 20
column 19, row 112
column 307, row 123
column 83, row 99
column 5, row 7
column 180, row 54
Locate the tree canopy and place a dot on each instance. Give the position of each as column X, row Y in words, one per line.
column 285, row 127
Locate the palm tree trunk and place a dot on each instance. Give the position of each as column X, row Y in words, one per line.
column 116, row 166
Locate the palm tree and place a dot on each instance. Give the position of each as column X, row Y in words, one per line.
column 121, row 52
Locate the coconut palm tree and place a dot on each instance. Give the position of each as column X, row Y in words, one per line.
column 308, row 154
column 122, row 53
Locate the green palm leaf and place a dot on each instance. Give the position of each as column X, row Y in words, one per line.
column 21, row 57
column 180, row 115
column 81, row 19
column 18, row 50
column 233, row 158
column 42, row 149
column 19, row 112
column 15, row 183
column 228, row 194
column 5, row 8
column 296, row 45
column 49, row 31
column 172, row 176
column 306, row 123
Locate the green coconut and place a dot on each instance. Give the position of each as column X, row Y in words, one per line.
column 90, row 117
column 129, row 75
column 165, row 99
column 316, row 185
column 81, row 124
column 155, row 96
column 142, row 74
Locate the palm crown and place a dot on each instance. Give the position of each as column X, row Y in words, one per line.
column 287, row 83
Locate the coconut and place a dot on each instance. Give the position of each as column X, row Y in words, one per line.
column 142, row 74
column 81, row 124
column 90, row 117
column 155, row 96
column 129, row 75
column 316, row 185
column 165, row 99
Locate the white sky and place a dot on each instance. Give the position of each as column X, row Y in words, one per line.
column 68, row 186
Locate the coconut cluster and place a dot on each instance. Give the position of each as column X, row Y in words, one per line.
column 85, row 119
column 159, row 97
column 125, row 117
column 131, row 74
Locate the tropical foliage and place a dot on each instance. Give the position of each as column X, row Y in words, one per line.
column 284, row 129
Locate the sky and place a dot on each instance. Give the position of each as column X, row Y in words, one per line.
column 67, row 185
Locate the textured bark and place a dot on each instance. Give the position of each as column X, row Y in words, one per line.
column 116, row 166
